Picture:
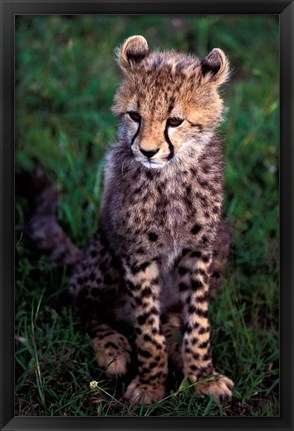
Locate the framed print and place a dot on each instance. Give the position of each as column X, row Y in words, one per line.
column 146, row 218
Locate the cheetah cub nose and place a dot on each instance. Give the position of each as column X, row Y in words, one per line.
column 149, row 153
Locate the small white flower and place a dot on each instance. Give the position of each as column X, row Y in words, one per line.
column 93, row 384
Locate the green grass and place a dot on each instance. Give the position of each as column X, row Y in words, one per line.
column 66, row 77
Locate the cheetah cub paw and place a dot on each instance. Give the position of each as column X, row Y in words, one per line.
column 139, row 393
column 113, row 353
column 220, row 388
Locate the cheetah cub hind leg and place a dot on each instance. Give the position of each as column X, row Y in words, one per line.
column 113, row 351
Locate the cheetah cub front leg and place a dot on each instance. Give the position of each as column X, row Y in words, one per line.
column 143, row 287
column 194, row 289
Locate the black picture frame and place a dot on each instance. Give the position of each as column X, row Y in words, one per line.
column 9, row 9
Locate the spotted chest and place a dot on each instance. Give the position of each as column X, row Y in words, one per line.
column 155, row 210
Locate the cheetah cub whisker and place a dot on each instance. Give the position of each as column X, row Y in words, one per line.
column 161, row 242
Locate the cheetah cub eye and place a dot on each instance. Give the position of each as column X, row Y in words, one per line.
column 174, row 121
column 135, row 116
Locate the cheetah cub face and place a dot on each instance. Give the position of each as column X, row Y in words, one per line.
column 168, row 103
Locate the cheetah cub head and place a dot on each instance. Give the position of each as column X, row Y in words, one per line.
column 168, row 103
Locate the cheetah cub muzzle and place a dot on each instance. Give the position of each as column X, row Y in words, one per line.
column 161, row 243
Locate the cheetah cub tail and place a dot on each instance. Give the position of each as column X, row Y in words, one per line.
column 41, row 229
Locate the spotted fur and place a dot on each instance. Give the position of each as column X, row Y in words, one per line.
column 161, row 242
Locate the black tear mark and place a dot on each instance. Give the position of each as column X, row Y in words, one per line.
column 136, row 134
column 170, row 145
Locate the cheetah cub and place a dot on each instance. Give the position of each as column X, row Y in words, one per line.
column 161, row 240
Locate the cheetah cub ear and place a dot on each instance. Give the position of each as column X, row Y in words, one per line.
column 132, row 52
column 215, row 67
